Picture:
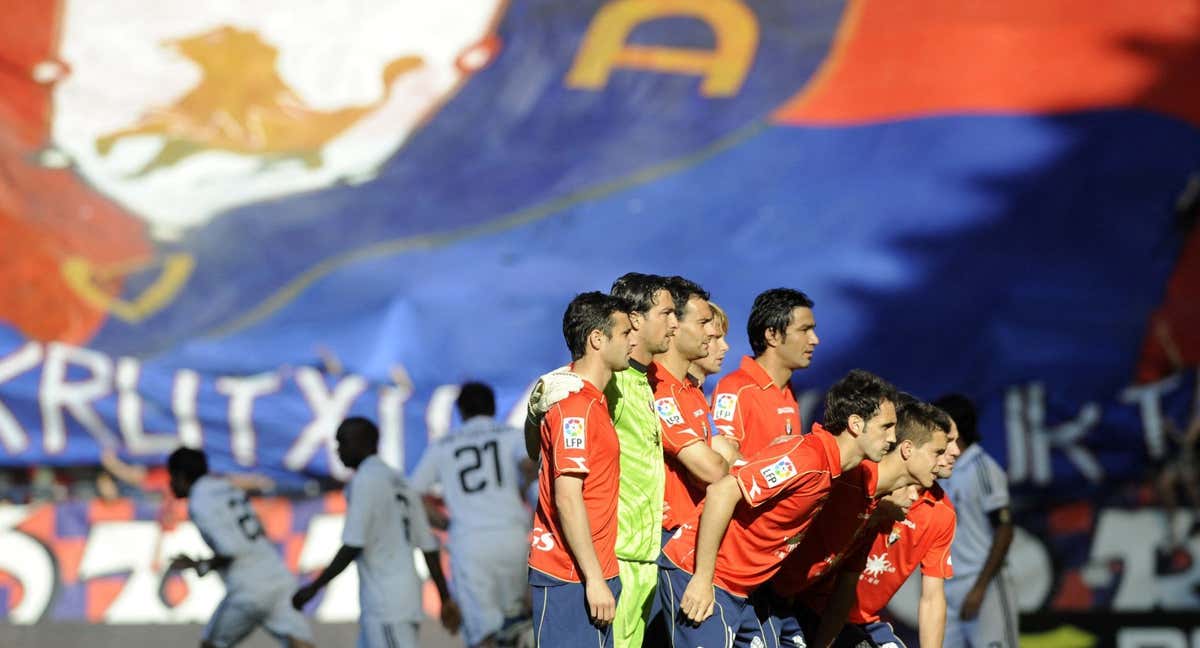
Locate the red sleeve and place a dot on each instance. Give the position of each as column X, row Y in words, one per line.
column 677, row 434
column 567, row 427
column 772, row 475
column 936, row 561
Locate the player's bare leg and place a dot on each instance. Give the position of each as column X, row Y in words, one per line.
column 298, row 643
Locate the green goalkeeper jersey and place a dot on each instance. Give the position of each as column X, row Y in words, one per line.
column 640, row 496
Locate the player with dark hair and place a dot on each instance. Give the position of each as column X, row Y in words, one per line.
column 820, row 578
column 629, row 396
column 922, row 539
column 257, row 584
column 478, row 467
column 755, row 404
column 385, row 520
column 573, row 573
column 755, row 516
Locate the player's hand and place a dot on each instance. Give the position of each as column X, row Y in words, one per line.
column 181, row 562
column 972, row 603
column 304, row 595
column 602, row 606
column 451, row 616
column 697, row 601
column 550, row 389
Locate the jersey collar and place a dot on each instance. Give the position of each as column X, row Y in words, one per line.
column 829, row 445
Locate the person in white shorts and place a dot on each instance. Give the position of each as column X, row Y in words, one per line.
column 981, row 601
column 385, row 520
column 479, row 468
column 257, row 584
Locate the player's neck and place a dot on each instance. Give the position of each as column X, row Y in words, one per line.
column 593, row 369
column 641, row 355
column 848, row 450
column 675, row 363
column 892, row 474
column 779, row 373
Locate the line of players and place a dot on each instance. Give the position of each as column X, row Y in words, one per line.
column 635, row 493
column 728, row 526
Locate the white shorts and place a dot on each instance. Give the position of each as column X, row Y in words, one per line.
column 239, row 613
column 996, row 625
column 489, row 579
column 375, row 633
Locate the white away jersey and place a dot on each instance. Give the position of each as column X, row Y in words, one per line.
column 385, row 517
column 478, row 467
column 222, row 514
column 977, row 487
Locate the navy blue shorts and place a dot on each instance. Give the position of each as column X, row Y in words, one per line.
column 732, row 622
column 786, row 623
column 869, row 635
column 560, row 613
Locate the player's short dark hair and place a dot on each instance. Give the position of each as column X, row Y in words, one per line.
column 476, row 399
column 859, row 392
column 588, row 312
column 918, row 421
column 682, row 291
column 639, row 289
column 772, row 309
column 361, row 427
column 962, row 410
column 189, row 462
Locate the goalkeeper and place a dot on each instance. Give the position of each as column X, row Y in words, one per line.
column 630, row 402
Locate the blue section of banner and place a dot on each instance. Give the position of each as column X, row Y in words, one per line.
column 990, row 255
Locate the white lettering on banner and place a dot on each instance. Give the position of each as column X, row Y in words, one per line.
column 328, row 408
column 56, row 394
column 324, row 538
column 183, row 405
column 1131, row 537
column 12, row 435
column 242, row 393
column 440, row 411
column 126, row 548
column 1030, row 439
column 129, row 413
column 1148, row 398
column 391, row 425
column 30, row 563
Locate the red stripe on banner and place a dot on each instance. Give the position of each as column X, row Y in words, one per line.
column 895, row 60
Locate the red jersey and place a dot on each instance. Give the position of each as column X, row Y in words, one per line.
column 842, row 529
column 683, row 414
column 923, row 539
column 784, row 487
column 577, row 439
column 749, row 408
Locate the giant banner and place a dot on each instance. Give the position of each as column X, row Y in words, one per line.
column 231, row 224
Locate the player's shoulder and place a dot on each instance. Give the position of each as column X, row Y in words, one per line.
column 734, row 382
column 579, row 404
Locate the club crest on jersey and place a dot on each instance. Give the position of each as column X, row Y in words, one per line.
column 723, row 407
column 573, row 433
column 668, row 411
column 779, row 472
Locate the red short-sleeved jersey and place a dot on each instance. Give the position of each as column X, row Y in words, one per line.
column 683, row 415
column 923, row 539
column 784, row 487
column 577, row 439
column 840, row 529
column 749, row 408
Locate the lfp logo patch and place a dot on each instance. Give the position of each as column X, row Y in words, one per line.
column 779, row 472
column 573, row 433
column 668, row 411
column 723, row 407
